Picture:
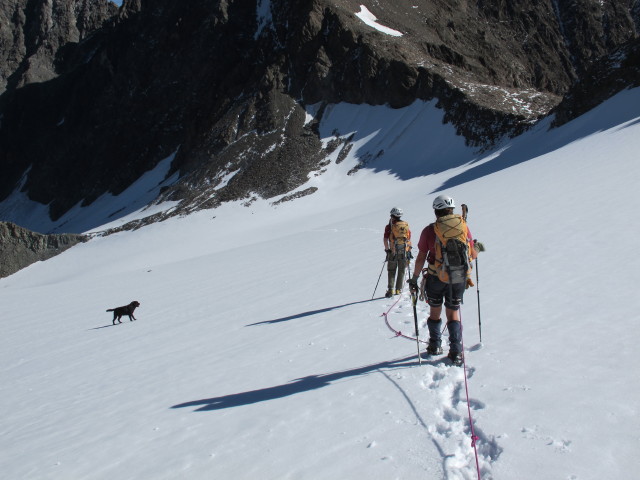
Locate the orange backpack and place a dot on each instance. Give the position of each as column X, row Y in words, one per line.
column 453, row 250
column 399, row 232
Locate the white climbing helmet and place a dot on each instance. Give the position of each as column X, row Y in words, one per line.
column 443, row 201
column 396, row 212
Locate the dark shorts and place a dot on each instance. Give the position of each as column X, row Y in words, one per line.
column 437, row 291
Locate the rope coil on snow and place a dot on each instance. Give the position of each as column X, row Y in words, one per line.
column 397, row 333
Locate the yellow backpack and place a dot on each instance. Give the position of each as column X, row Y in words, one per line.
column 399, row 233
column 453, row 251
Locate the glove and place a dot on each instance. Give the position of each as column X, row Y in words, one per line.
column 387, row 250
column 478, row 246
column 469, row 283
column 413, row 285
column 409, row 255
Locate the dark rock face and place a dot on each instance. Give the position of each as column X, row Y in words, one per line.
column 35, row 33
column 20, row 247
column 605, row 78
column 225, row 87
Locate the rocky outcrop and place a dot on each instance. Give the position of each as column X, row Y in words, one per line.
column 223, row 85
column 20, row 247
column 34, row 35
column 605, row 78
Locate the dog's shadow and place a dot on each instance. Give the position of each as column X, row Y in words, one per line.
column 104, row 326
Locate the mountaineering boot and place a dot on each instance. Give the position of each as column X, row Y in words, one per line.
column 391, row 281
column 398, row 292
column 456, row 358
column 389, row 293
column 435, row 339
column 455, row 343
column 431, row 350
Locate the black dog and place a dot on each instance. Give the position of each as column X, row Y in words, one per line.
column 122, row 311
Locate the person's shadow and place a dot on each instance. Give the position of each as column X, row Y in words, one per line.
column 309, row 313
column 312, row 382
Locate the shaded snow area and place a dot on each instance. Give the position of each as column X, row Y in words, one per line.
column 258, row 351
column 108, row 211
column 370, row 19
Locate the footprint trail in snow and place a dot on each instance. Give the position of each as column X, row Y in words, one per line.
column 442, row 405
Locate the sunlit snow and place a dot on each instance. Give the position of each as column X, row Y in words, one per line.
column 259, row 352
column 370, row 19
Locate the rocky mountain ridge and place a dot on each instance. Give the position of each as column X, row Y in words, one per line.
column 96, row 96
column 20, row 247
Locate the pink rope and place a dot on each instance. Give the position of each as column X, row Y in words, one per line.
column 474, row 437
column 397, row 332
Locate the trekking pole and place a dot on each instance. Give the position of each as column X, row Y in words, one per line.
column 465, row 211
column 414, row 301
column 478, row 293
column 379, row 277
column 408, row 267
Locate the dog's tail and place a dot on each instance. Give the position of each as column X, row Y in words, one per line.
column 111, row 310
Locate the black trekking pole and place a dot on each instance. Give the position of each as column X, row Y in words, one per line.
column 414, row 301
column 379, row 277
column 478, row 292
column 479, row 248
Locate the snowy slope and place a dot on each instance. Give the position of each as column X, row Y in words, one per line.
column 258, row 353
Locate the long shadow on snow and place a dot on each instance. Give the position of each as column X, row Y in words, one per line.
column 619, row 112
column 305, row 384
column 411, row 142
column 309, row 313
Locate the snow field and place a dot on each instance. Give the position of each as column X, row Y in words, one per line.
column 258, row 353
